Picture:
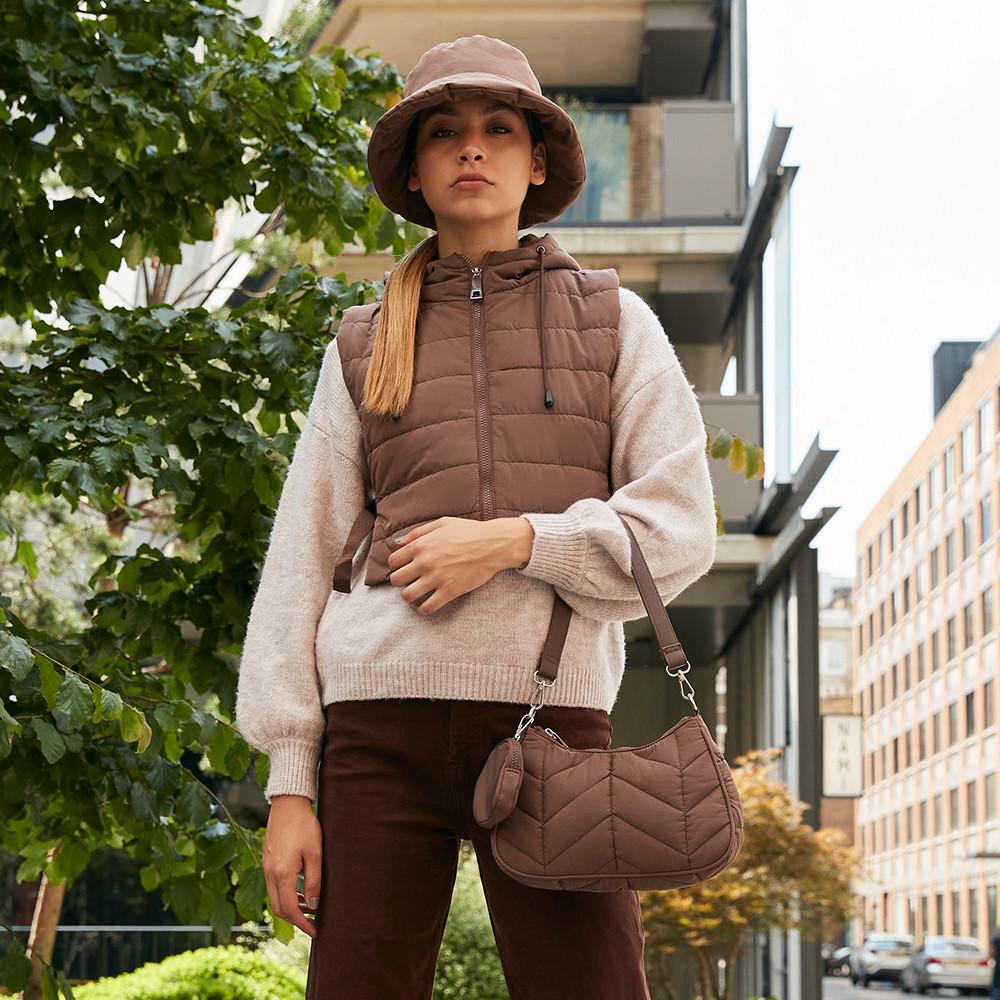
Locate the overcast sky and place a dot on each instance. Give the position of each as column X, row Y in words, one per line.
column 895, row 116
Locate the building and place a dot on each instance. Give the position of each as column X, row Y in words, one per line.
column 926, row 654
column 658, row 92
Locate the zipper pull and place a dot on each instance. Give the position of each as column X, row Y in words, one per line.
column 556, row 736
column 477, row 285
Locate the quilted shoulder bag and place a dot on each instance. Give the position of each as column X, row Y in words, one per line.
column 658, row 816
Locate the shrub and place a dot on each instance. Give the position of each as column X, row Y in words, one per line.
column 468, row 966
column 219, row 973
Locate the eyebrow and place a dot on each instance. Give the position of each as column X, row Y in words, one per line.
column 448, row 108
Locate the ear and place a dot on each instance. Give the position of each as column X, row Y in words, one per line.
column 413, row 177
column 538, row 163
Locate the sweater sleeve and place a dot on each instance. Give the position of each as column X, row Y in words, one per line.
column 279, row 709
column 660, row 480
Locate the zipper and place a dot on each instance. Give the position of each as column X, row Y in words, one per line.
column 556, row 736
column 483, row 423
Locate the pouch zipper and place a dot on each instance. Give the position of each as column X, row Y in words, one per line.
column 483, row 422
column 556, row 736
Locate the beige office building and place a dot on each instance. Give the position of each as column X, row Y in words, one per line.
column 926, row 679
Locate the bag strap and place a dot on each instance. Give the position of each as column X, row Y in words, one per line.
column 670, row 647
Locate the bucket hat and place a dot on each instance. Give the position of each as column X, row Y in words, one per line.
column 475, row 65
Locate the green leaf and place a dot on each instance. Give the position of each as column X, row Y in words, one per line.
column 74, row 701
column 50, row 739
column 15, row 656
column 15, row 968
column 107, row 704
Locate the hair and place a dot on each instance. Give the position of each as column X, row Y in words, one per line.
column 389, row 379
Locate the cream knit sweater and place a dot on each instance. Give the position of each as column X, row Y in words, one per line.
column 308, row 645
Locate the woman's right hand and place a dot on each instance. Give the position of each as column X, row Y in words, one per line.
column 293, row 843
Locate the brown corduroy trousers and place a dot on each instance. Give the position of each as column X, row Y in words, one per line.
column 396, row 783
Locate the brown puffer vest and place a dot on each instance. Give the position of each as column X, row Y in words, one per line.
column 510, row 408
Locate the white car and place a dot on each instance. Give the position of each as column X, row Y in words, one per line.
column 881, row 956
column 946, row 961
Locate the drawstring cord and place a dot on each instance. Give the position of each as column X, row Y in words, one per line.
column 540, row 250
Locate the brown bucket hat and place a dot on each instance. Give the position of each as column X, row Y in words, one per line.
column 470, row 65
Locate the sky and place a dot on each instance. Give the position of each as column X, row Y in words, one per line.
column 895, row 221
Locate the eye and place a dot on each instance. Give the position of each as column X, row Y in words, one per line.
column 436, row 131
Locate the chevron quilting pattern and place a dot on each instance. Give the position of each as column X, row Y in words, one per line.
column 669, row 814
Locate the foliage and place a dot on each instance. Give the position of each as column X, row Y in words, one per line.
column 147, row 118
column 788, row 875
column 468, row 965
column 126, row 127
column 220, row 973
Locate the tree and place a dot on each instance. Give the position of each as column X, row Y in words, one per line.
column 788, row 875
column 127, row 126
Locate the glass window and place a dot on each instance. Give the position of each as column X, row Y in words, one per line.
column 987, row 609
column 920, row 581
column 918, row 502
column 933, row 485
column 969, row 625
column 970, row 712
column 949, row 467
column 970, row 791
column 968, row 544
column 949, row 553
column 989, row 716
column 986, row 425
column 952, row 643
column 985, row 516
column 953, row 731
column 935, row 563
column 968, row 442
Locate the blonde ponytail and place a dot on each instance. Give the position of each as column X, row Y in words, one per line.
column 389, row 380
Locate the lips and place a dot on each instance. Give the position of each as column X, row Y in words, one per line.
column 477, row 177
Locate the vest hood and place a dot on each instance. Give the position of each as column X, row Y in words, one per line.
column 449, row 278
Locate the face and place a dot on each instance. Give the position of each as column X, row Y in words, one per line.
column 476, row 135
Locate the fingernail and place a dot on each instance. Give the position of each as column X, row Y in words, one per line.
column 313, row 903
column 398, row 539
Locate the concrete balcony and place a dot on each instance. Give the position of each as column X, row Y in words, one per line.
column 665, row 48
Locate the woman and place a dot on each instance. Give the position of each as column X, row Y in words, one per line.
column 485, row 423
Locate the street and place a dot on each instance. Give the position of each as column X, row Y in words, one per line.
column 840, row 988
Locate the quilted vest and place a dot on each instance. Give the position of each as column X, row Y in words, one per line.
column 510, row 409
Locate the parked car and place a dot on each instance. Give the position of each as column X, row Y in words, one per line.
column 942, row 960
column 835, row 962
column 880, row 956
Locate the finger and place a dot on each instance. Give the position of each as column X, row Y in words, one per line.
column 432, row 603
column 312, row 877
column 422, row 587
column 289, row 909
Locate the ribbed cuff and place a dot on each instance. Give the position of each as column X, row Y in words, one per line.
column 293, row 768
column 559, row 549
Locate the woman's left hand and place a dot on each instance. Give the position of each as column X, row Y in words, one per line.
column 450, row 556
